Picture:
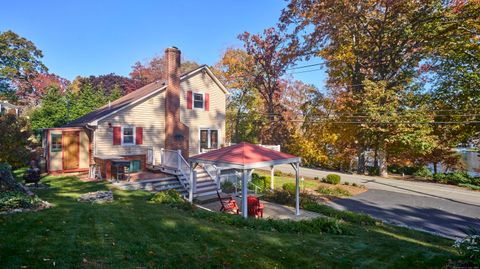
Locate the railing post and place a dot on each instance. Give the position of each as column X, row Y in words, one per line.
column 162, row 156
column 179, row 159
column 194, row 185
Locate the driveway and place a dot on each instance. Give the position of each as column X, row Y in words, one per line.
column 437, row 208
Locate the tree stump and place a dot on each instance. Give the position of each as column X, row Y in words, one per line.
column 8, row 182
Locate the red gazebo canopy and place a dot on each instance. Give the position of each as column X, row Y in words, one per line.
column 244, row 156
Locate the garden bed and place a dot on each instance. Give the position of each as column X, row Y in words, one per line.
column 15, row 202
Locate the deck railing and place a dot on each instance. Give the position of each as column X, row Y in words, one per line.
column 173, row 159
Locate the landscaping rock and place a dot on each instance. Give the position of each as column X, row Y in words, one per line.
column 97, row 197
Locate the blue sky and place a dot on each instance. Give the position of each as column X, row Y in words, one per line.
column 100, row 37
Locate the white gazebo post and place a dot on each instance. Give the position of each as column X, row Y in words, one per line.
column 190, row 191
column 244, row 193
column 272, row 177
column 297, row 189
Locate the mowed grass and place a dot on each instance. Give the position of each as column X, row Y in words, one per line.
column 131, row 233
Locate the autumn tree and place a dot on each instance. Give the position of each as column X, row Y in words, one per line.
column 108, row 83
column 244, row 106
column 382, row 42
column 154, row 69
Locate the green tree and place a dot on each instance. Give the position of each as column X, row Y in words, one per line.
column 15, row 143
column 86, row 100
column 19, row 64
column 52, row 111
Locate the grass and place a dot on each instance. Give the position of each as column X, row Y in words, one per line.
column 131, row 232
column 282, row 179
column 334, row 191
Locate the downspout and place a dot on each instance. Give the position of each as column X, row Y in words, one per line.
column 93, row 140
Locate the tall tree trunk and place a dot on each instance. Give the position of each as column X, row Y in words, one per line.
column 361, row 160
column 383, row 165
column 435, row 168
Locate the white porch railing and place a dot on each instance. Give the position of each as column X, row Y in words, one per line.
column 213, row 172
column 173, row 159
column 150, row 156
column 274, row 147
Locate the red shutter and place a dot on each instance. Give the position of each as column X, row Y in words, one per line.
column 138, row 135
column 207, row 102
column 117, row 135
column 189, row 100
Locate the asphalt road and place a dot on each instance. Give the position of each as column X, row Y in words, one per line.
column 436, row 208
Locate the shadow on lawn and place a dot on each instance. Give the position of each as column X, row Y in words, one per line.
column 425, row 216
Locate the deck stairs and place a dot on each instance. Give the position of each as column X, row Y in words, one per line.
column 172, row 163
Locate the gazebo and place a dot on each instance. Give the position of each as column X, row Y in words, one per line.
column 246, row 157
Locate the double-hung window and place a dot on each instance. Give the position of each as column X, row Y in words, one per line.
column 198, row 101
column 128, row 135
column 56, row 142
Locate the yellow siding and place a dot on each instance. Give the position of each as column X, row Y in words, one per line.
column 148, row 114
column 83, row 150
column 56, row 161
column 55, row 157
column 199, row 118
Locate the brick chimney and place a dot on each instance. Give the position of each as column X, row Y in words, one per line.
column 176, row 133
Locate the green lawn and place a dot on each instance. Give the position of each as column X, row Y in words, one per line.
column 280, row 180
column 130, row 233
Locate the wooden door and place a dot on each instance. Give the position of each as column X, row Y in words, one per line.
column 71, row 150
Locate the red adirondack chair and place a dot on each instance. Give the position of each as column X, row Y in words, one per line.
column 229, row 205
column 255, row 208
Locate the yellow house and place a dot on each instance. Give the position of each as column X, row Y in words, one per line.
column 184, row 112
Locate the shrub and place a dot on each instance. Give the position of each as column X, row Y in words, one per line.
column 289, row 187
column 332, row 179
column 469, row 248
column 458, row 178
column 470, row 186
column 316, row 225
column 14, row 199
column 277, row 173
column 346, row 183
column 423, row 172
column 354, row 184
column 316, row 178
column 261, row 181
column 373, row 171
column 171, row 198
column 407, row 170
column 281, row 197
column 227, row 186
column 334, row 191
column 440, row 177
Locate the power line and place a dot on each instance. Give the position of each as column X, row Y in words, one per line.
column 380, row 122
column 304, row 66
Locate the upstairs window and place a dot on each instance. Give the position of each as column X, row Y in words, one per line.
column 128, row 136
column 198, row 100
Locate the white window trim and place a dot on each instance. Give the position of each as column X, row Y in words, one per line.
column 200, row 129
column 134, row 135
column 203, row 100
